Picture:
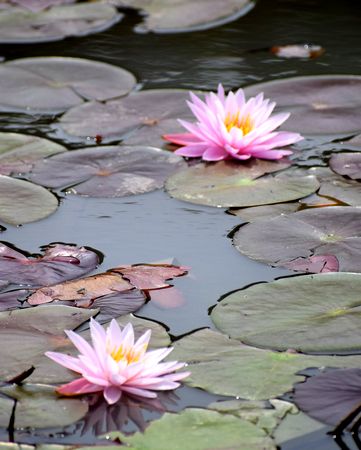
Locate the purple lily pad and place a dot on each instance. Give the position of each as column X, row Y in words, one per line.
column 287, row 241
column 59, row 263
column 55, row 84
column 23, row 202
column 22, row 25
column 164, row 16
column 140, row 118
column 347, row 164
column 319, row 105
column 330, row 397
column 12, row 299
column 119, row 304
column 18, row 152
column 114, row 171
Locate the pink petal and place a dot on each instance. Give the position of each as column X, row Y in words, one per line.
column 78, row 387
column 112, row 394
column 271, row 154
column 139, row 392
column 81, row 344
column 181, row 138
column 214, row 154
column 65, row 360
column 192, row 151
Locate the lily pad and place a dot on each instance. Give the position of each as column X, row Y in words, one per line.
column 54, row 84
column 330, row 397
column 265, row 211
column 38, row 406
column 209, row 430
column 12, row 299
column 30, row 332
column 172, row 16
column 289, row 240
column 231, row 184
column 319, row 104
column 114, row 171
column 18, row 152
column 39, row 5
column 347, row 164
column 140, row 118
column 19, row 25
column 23, row 202
column 318, row 313
column 59, row 263
column 225, row 366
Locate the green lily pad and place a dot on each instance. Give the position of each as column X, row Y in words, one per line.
column 231, row 184
column 109, row 171
column 19, row 25
column 30, row 332
column 300, row 237
column 318, row 313
column 18, row 152
column 265, row 211
column 225, row 366
column 140, row 118
column 6, row 409
column 54, row 84
column 295, row 426
column 39, row 407
column 23, row 202
column 319, row 104
column 198, row 429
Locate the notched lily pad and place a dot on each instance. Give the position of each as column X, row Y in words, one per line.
column 111, row 171
column 141, row 118
column 347, row 164
column 19, row 25
column 38, row 406
column 209, row 430
column 319, row 104
column 231, row 184
column 330, row 397
column 59, row 262
column 18, row 152
column 172, row 16
column 318, row 313
column 225, row 366
column 54, row 84
column 23, row 202
column 289, row 241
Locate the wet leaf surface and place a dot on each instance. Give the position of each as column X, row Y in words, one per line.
column 347, row 164
column 283, row 240
column 23, row 202
column 12, row 299
column 141, row 118
column 18, row 152
column 319, row 105
column 164, row 16
column 210, row 429
column 265, row 211
column 225, row 366
column 38, row 406
column 55, row 84
column 111, row 171
column 228, row 184
column 315, row 313
column 39, row 5
column 59, row 263
column 150, row 276
column 19, row 25
column 330, row 397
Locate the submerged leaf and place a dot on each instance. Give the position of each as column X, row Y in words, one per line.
column 111, row 171
column 22, row 202
column 315, row 313
column 18, row 152
column 59, row 263
column 55, row 84
column 282, row 241
column 319, row 104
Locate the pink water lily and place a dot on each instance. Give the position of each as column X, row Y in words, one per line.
column 116, row 364
column 228, row 126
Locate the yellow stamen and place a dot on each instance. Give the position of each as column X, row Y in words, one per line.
column 130, row 355
column 243, row 123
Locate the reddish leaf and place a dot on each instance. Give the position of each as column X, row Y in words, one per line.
column 314, row 264
column 59, row 263
column 150, row 276
column 167, row 298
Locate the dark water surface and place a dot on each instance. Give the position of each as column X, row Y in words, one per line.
column 153, row 227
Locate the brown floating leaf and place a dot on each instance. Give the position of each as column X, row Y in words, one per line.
column 150, row 276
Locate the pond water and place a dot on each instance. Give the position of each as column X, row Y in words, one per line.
column 153, row 227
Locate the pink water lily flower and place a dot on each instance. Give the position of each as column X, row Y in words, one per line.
column 116, row 364
column 228, row 126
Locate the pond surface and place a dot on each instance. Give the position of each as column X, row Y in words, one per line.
column 153, row 227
